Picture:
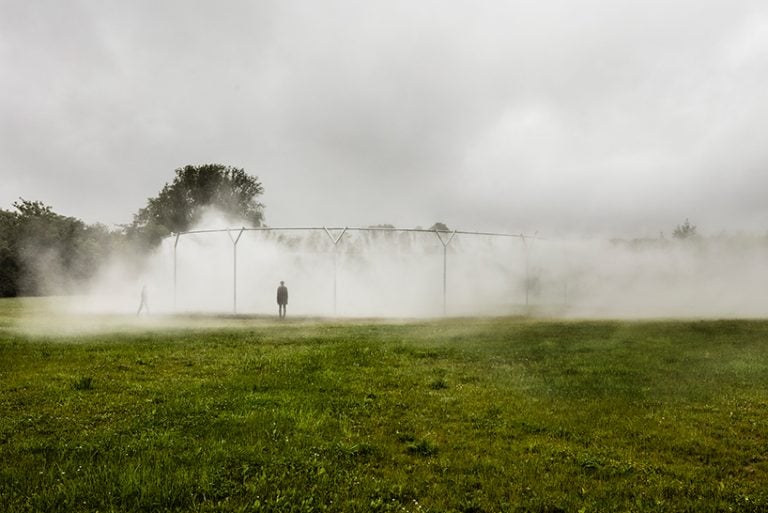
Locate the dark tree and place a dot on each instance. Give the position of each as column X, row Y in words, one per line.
column 181, row 203
column 43, row 252
column 440, row 227
column 9, row 262
column 684, row 231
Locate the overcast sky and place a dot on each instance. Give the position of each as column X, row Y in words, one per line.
column 600, row 117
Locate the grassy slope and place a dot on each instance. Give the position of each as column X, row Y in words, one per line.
column 454, row 415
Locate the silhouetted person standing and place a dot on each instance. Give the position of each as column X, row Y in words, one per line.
column 282, row 299
column 144, row 305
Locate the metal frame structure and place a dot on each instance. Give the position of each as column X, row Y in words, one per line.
column 336, row 239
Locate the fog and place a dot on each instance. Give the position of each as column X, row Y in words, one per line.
column 584, row 121
column 391, row 274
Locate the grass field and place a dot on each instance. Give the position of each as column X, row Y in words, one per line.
column 466, row 415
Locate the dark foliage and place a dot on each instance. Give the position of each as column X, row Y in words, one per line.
column 440, row 227
column 181, row 203
column 684, row 231
column 44, row 252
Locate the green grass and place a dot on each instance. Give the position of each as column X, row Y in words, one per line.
column 465, row 415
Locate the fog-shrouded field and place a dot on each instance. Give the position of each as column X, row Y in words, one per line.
column 401, row 274
column 109, row 412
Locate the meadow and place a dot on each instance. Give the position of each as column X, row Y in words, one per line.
column 450, row 415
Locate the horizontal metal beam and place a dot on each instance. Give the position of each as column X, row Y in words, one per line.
column 347, row 229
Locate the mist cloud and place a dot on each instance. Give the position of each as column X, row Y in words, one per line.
column 396, row 274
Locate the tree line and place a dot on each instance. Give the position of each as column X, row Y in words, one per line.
column 42, row 252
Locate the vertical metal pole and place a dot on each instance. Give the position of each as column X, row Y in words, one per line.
column 175, row 244
column 234, row 267
column 445, row 274
column 334, row 280
column 234, row 279
column 445, row 266
column 527, row 265
column 527, row 278
column 565, row 279
column 335, row 241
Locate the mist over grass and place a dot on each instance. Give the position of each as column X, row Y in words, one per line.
column 396, row 274
column 721, row 276
column 453, row 415
column 400, row 275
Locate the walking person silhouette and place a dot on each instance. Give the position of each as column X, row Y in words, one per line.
column 144, row 304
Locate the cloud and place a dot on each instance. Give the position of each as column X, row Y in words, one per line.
column 620, row 117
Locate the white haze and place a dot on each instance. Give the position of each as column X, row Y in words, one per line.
column 396, row 275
